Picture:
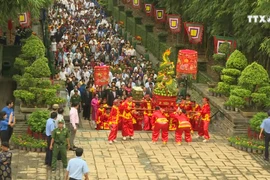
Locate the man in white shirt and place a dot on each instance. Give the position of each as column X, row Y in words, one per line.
column 74, row 122
column 63, row 74
column 77, row 73
column 86, row 75
column 73, row 91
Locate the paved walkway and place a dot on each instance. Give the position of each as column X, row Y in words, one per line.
column 139, row 159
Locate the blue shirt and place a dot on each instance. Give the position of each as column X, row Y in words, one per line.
column 3, row 125
column 77, row 167
column 50, row 126
column 8, row 111
column 266, row 125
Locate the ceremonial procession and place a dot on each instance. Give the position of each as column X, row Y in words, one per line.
column 133, row 89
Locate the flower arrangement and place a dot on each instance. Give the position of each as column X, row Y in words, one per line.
column 244, row 143
column 25, row 141
column 138, row 38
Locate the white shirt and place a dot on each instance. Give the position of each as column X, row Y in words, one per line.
column 54, row 49
column 72, row 93
column 63, row 75
column 74, row 117
column 59, row 117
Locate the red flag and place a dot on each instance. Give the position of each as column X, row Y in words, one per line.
column 218, row 40
column 101, row 75
column 187, row 62
column 25, row 19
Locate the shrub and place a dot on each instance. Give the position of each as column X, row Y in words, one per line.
column 231, row 72
column 253, row 75
column 25, row 96
column 256, row 121
column 33, row 47
column 217, row 68
column 228, row 79
column 219, row 57
column 244, row 93
column 37, row 121
column 265, row 90
column 223, row 88
column 236, row 101
column 237, row 61
column 259, row 99
column 39, row 69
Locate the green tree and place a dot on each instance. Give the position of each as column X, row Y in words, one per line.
column 11, row 8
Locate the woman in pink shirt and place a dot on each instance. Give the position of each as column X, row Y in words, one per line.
column 94, row 104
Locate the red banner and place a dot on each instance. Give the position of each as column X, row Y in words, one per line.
column 160, row 15
column 25, row 19
column 187, row 62
column 101, row 75
column 148, row 8
column 136, row 4
column 194, row 32
column 174, row 23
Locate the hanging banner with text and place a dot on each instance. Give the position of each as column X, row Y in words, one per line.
column 174, row 23
column 160, row 15
column 148, row 9
column 194, row 32
column 25, row 19
column 101, row 75
column 137, row 4
column 218, row 40
column 187, row 62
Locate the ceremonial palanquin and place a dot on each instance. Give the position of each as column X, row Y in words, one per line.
column 166, row 88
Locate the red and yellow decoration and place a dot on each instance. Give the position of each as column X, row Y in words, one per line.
column 194, row 32
column 174, row 23
column 218, row 40
column 101, row 75
column 136, row 4
column 160, row 15
column 148, row 9
column 187, row 62
column 25, row 19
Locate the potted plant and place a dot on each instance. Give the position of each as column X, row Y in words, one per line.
column 37, row 122
column 256, row 121
column 260, row 149
column 244, row 145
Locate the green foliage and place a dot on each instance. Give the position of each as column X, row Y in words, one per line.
column 228, row 79
column 236, row 101
column 25, row 96
column 11, row 9
column 37, row 121
column 217, row 68
column 232, row 87
column 55, row 100
column 27, row 80
column 244, row 93
column 39, row 68
column 225, row 48
column 253, row 75
column 237, row 60
column 259, row 99
column 256, row 121
column 223, row 88
column 33, row 48
column 20, row 64
column 219, row 57
column 265, row 90
column 231, row 72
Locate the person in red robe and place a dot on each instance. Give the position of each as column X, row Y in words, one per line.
column 105, row 119
column 100, row 113
column 159, row 122
column 183, row 126
column 195, row 115
column 127, row 118
column 147, row 104
column 113, row 122
column 205, row 120
column 187, row 106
